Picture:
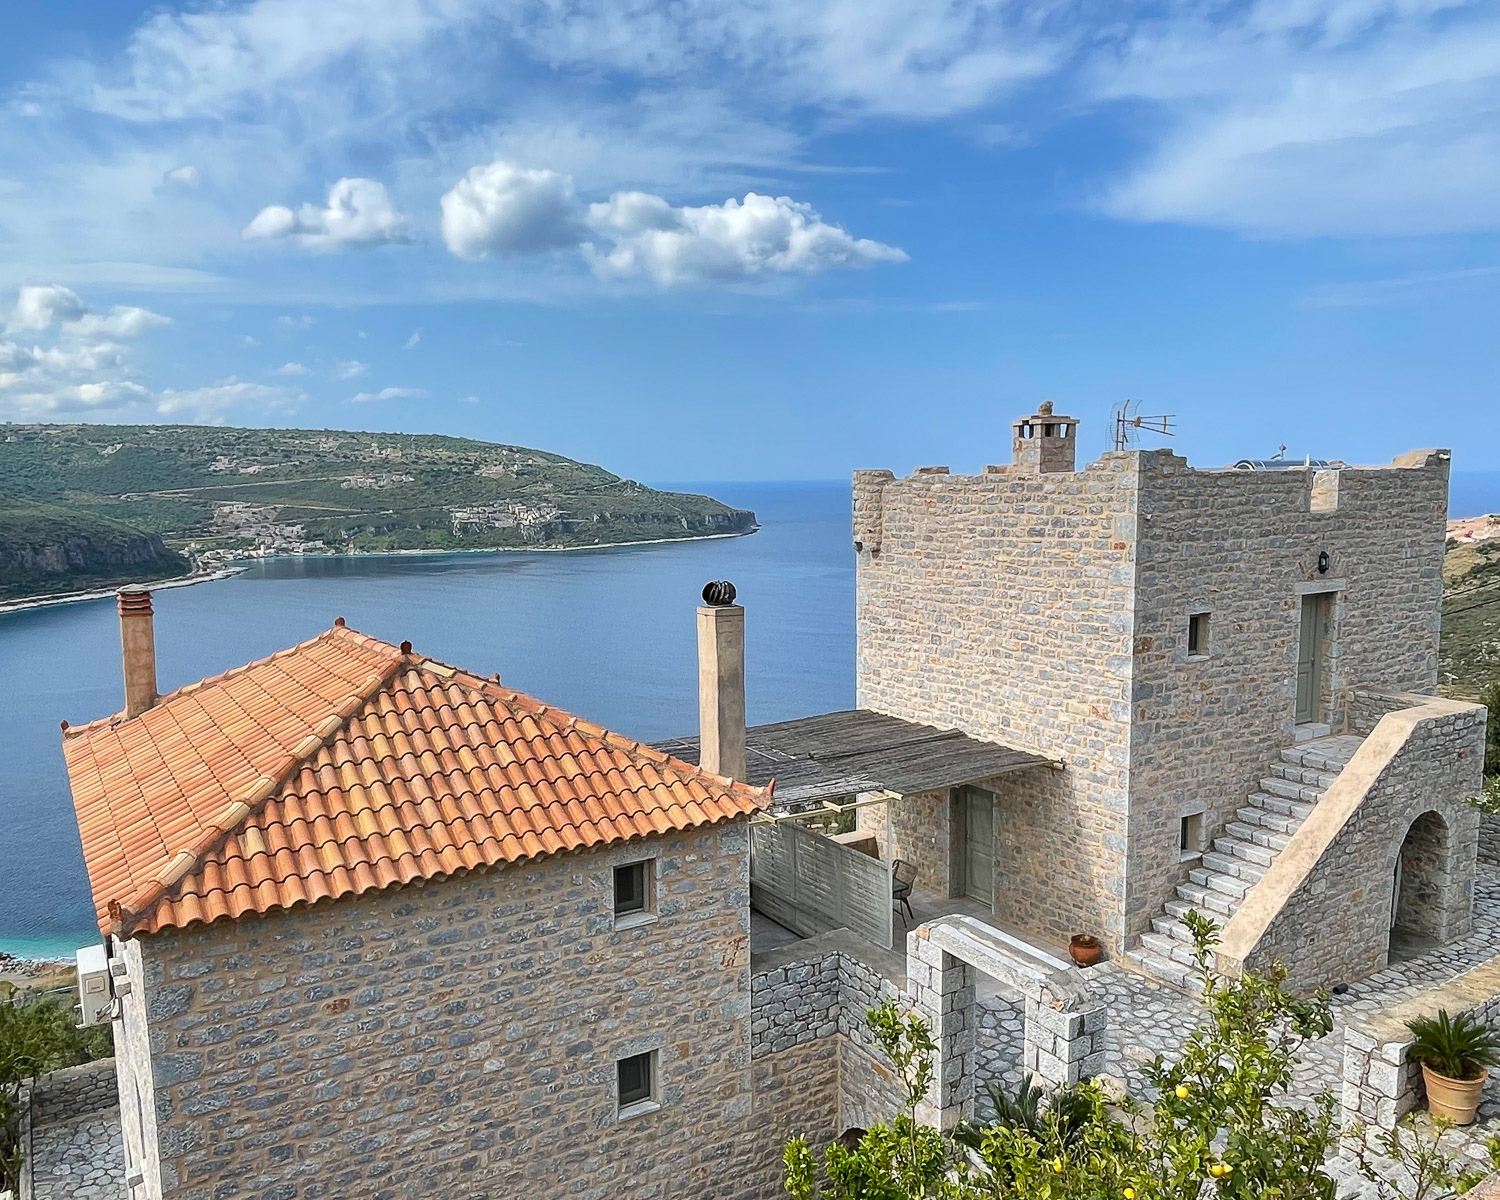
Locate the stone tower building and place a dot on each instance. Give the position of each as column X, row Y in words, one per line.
column 1179, row 640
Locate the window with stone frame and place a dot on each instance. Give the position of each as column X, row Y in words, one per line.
column 634, row 900
column 1197, row 645
column 636, row 1083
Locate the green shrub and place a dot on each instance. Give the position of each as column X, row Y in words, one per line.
column 1454, row 1046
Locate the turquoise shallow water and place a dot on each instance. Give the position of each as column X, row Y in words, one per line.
column 607, row 634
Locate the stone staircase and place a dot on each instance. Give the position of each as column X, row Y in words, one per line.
column 1241, row 853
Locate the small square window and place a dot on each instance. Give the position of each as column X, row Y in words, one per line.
column 633, row 893
column 637, row 1082
column 1198, row 635
column 1191, row 839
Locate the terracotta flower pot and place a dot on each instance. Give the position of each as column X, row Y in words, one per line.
column 1456, row 1099
column 1084, row 949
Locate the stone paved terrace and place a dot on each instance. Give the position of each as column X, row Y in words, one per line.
column 81, row 1158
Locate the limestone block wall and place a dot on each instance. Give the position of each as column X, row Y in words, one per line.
column 74, row 1092
column 460, row 1038
column 1244, row 547
column 1000, row 604
column 1381, row 1082
column 1324, row 907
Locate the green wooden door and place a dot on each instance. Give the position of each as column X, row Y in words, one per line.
column 1310, row 659
column 979, row 844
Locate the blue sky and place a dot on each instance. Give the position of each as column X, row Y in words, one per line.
column 762, row 238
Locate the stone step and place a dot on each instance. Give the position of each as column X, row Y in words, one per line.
column 1280, row 804
column 1257, row 835
column 1266, row 819
column 1173, row 929
column 1169, row 947
column 1165, row 969
column 1237, row 874
column 1249, row 851
column 1285, row 788
column 1225, row 883
column 1177, row 909
column 1303, row 775
column 1210, row 902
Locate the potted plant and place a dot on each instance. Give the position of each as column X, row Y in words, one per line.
column 1085, row 949
column 1454, row 1052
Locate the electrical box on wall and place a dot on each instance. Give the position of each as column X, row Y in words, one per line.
column 95, row 1001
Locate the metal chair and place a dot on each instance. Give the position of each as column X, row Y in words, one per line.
column 903, row 875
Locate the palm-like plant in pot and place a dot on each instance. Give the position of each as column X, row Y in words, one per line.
column 1454, row 1052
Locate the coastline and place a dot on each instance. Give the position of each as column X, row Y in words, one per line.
column 240, row 566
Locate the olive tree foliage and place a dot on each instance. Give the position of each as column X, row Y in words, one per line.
column 1412, row 1164
column 36, row 1036
column 1221, row 1124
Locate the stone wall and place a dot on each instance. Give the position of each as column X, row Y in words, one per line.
column 460, row 1038
column 1381, row 1082
column 1050, row 612
column 921, row 832
column 1244, row 547
column 73, row 1092
column 1324, row 907
column 999, row 605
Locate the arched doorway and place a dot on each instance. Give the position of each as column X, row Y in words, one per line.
column 1419, row 893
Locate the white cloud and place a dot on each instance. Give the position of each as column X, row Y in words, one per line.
column 351, row 369
column 74, row 365
column 358, row 213
column 724, row 243
column 292, row 368
column 39, row 307
column 469, row 400
column 412, row 341
column 1316, row 118
column 247, row 341
column 390, row 393
column 300, row 322
column 182, row 177
column 210, row 404
column 502, row 209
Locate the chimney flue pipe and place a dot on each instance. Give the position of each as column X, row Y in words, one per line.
column 721, row 682
column 138, row 649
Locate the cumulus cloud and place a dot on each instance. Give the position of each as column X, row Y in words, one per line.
column 503, row 210
column 723, row 243
column 390, row 393
column 350, row 369
column 292, row 368
column 412, row 341
column 76, row 361
column 358, row 214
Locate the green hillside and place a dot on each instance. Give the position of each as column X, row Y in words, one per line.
column 217, row 492
column 45, row 548
column 1470, row 655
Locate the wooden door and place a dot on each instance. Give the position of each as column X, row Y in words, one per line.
column 1310, row 659
column 978, row 858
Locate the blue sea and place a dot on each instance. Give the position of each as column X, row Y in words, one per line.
column 607, row 634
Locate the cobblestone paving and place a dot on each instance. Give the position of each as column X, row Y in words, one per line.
column 80, row 1159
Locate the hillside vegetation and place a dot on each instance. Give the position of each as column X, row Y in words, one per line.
column 220, row 493
column 1469, row 660
column 45, row 548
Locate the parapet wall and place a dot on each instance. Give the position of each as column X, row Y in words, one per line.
column 1381, row 1083
column 74, row 1092
column 1325, row 906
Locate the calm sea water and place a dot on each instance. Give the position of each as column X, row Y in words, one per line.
column 607, row 634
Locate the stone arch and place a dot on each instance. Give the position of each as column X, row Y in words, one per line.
column 1429, row 904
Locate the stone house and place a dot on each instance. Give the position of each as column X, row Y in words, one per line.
column 379, row 927
column 1234, row 671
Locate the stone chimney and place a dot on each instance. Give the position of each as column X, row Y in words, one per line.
column 1044, row 443
column 138, row 647
column 721, row 682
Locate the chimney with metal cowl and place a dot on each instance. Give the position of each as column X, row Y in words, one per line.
column 721, row 682
column 138, row 649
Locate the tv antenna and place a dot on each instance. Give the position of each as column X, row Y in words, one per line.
column 1129, row 424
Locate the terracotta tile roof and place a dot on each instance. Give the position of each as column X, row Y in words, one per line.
column 347, row 764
